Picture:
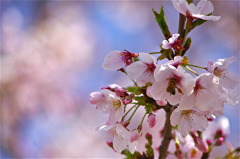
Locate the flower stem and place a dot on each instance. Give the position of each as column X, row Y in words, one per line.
column 191, row 70
column 182, row 20
column 143, row 119
column 163, row 149
column 133, row 113
column 154, row 52
column 197, row 66
column 128, row 112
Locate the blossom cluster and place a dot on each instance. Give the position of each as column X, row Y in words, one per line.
column 195, row 98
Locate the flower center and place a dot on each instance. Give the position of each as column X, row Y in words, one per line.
column 114, row 104
column 150, row 67
column 217, row 72
column 172, row 84
column 126, row 57
column 198, row 88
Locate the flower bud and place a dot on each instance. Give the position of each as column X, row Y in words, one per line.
column 219, row 141
column 109, row 143
column 126, row 123
column 121, row 92
column 152, row 120
column 201, row 145
column 209, row 141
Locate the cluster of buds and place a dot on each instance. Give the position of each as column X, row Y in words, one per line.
column 189, row 99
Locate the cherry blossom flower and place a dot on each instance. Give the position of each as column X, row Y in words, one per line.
column 142, row 71
column 173, row 42
column 220, row 70
column 108, row 102
column 201, row 11
column 206, row 87
column 176, row 61
column 119, row 136
column 171, row 84
column 188, row 120
column 116, row 60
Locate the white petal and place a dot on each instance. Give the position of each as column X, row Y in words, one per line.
column 175, row 117
column 192, row 9
column 204, row 17
column 147, row 58
column 228, row 80
column 113, row 61
column 174, row 99
column 188, row 83
column 165, row 44
column 184, row 127
column 119, row 143
column 180, row 6
column 158, row 89
column 135, row 69
column 205, row 7
column 187, row 102
column 145, row 78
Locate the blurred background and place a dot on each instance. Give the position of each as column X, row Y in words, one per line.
column 51, row 57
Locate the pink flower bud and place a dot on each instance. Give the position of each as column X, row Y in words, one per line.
column 152, row 120
column 201, row 145
column 219, row 141
column 161, row 102
column 135, row 136
column 96, row 97
column 121, row 92
column 109, row 143
column 209, row 141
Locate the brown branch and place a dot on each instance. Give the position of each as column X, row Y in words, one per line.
column 163, row 149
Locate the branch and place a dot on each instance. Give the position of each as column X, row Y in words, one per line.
column 163, row 149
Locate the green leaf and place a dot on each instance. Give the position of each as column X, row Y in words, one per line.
column 141, row 100
column 129, row 155
column 197, row 23
column 134, row 90
column 161, row 20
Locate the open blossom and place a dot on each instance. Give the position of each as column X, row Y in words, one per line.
column 188, row 120
column 221, row 70
column 119, row 136
column 108, row 102
column 205, row 97
column 142, row 71
column 116, row 60
column 201, row 11
column 178, row 60
column 173, row 42
column 171, row 84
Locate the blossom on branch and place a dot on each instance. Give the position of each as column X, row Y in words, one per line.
column 171, row 84
column 173, row 43
column 188, row 120
column 142, row 71
column 119, row 136
column 108, row 102
column 202, row 11
column 206, row 87
column 116, row 60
